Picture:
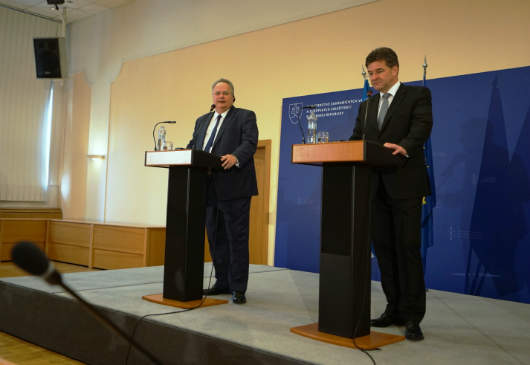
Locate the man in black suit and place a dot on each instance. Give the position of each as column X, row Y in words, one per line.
column 400, row 118
column 232, row 134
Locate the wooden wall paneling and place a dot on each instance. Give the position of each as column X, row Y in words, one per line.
column 69, row 254
column 48, row 213
column 1, row 238
column 104, row 259
column 156, row 247
column 77, row 234
column 207, row 254
column 69, row 242
column 259, row 209
column 91, row 247
column 117, row 247
column 47, row 240
column 104, row 246
column 15, row 230
column 147, row 254
column 119, row 238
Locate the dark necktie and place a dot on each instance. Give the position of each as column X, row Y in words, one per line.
column 212, row 136
column 382, row 111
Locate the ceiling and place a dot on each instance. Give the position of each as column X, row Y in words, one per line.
column 75, row 9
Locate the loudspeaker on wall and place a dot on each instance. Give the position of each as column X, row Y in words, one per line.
column 49, row 57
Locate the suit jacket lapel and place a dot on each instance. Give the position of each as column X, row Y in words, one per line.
column 400, row 95
column 227, row 121
column 372, row 114
column 204, row 128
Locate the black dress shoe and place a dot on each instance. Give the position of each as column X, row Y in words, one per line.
column 384, row 320
column 215, row 290
column 413, row 331
column 238, row 297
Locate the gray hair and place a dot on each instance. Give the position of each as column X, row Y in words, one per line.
column 226, row 81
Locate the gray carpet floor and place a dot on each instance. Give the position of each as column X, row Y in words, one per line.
column 459, row 329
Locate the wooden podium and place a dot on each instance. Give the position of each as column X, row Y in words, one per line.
column 344, row 296
column 186, row 212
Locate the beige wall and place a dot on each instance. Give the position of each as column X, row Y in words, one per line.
column 320, row 54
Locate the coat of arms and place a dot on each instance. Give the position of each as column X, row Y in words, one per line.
column 295, row 111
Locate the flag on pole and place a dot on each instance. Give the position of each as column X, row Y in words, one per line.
column 366, row 90
column 429, row 201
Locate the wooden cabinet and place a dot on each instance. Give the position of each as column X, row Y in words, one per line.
column 69, row 242
column 93, row 244
column 13, row 230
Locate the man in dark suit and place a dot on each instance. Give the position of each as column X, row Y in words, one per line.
column 400, row 118
column 232, row 134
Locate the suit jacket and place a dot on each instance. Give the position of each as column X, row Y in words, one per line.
column 408, row 123
column 238, row 136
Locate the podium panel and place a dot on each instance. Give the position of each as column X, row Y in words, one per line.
column 347, row 181
column 185, row 218
column 345, row 251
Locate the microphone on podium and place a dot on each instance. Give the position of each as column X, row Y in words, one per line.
column 31, row 259
column 369, row 96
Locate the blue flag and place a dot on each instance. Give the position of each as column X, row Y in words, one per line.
column 429, row 202
column 367, row 91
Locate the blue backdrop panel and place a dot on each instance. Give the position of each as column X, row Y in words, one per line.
column 481, row 151
column 299, row 186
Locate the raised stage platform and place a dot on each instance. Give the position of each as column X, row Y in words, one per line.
column 459, row 329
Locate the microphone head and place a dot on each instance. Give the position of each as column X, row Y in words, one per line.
column 30, row 258
column 212, row 107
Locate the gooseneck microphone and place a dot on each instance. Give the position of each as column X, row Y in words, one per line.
column 369, row 95
column 212, row 107
column 156, row 125
column 31, row 259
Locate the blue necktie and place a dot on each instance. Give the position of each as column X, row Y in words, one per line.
column 212, row 136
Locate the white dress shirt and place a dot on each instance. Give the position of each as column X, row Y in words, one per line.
column 211, row 126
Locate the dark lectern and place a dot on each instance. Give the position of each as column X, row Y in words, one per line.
column 344, row 297
column 186, row 210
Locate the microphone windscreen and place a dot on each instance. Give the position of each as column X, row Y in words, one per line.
column 30, row 258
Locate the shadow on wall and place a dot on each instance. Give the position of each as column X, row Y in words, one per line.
column 498, row 224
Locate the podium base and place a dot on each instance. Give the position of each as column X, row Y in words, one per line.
column 159, row 299
column 368, row 342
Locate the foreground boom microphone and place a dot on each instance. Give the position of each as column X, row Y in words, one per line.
column 156, row 124
column 30, row 258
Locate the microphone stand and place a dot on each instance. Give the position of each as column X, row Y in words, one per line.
column 366, row 116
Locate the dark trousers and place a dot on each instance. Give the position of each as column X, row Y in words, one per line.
column 396, row 233
column 227, row 226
